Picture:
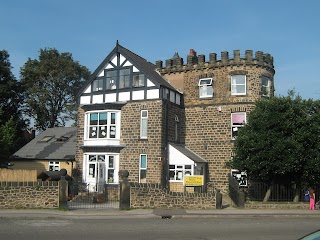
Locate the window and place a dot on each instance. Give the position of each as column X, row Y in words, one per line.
column 111, row 163
column 176, row 127
column 265, row 86
column 124, row 78
column 143, row 168
column 205, row 88
column 111, row 79
column 102, row 125
column 238, row 85
column 177, row 172
column 144, row 124
column 97, row 85
column 138, row 80
column 237, row 121
column 54, row 166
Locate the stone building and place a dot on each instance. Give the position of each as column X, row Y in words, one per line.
column 163, row 123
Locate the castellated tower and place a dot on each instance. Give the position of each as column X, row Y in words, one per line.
column 218, row 95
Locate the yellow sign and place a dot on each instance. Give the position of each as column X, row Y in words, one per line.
column 196, row 180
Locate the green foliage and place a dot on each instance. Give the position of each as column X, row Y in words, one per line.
column 281, row 141
column 12, row 123
column 51, row 85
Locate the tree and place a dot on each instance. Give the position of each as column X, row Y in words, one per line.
column 12, row 122
column 51, row 85
column 281, row 142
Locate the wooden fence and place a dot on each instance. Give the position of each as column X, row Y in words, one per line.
column 17, row 175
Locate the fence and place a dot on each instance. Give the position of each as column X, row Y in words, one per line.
column 279, row 192
column 80, row 196
column 17, row 175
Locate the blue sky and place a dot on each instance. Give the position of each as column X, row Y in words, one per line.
column 287, row 29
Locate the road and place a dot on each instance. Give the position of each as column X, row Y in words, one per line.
column 159, row 229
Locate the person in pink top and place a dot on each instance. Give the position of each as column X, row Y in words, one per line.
column 312, row 199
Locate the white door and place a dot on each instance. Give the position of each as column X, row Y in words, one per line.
column 96, row 173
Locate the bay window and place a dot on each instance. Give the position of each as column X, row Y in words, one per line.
column 102, row 125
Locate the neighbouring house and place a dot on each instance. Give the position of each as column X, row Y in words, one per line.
column 164, row 123
column 52, row 150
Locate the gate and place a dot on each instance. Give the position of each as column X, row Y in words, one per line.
column 81, row 196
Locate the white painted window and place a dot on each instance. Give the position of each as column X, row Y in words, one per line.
column 177, row 172
column 102, row 125
column 54, row 166
column 205, row 88
column 265, row 86
column 238, row 120
column 143, row 168
column 144, row 124
column 238, row 85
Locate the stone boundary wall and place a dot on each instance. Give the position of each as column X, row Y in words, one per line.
column 29, row 195
column 145, row 195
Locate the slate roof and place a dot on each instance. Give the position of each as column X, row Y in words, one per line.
column 148, row 68
column 187, row 152
column 60, row 145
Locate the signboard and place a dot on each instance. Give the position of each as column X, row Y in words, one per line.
column 193, row 181
column 241, row 177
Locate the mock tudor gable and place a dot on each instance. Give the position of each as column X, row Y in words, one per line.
column 124, row 76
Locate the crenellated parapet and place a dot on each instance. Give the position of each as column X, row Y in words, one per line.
column 198, row 62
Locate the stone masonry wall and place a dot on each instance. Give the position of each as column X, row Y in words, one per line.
column 29, row 195
column 153, row 196
column 153, row 146
column 206, row 129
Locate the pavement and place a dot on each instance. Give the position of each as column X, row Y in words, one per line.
column 152, row 213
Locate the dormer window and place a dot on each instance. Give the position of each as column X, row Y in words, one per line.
column 265, row 86
column 205, row 88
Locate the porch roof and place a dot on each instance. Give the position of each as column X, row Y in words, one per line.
column 188, row 153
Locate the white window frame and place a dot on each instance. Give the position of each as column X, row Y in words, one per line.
column 55, row 166
column 236, row 83
column 144, row 124
column 265, row 89
column 235, row 125
column 205, row 88
column 141, row 168
column 180, row 168
column 112, row 127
